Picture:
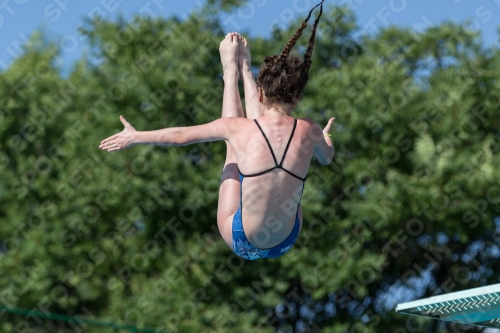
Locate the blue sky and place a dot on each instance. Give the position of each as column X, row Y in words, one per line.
column 60, row 18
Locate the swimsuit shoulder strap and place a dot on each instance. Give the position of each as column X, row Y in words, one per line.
column 289, row 140
column 268, row 144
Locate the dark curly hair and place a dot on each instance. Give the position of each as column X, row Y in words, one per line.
column 284, row 78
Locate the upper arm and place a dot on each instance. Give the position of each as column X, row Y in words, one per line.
column 220, row 129
column 322, row 150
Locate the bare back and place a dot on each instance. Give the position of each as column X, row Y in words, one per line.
column 270, row 201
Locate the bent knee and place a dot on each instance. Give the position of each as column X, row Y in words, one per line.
column 225, row 225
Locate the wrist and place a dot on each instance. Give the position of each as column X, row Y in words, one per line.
column 136, row 139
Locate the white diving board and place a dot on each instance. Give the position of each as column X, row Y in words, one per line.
column 477, row 306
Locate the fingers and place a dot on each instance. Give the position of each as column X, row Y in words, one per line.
column 125, row 122
column 108, row 144
column 111, row 146
column 114, row 148
column 110, row 139
column 328, row 125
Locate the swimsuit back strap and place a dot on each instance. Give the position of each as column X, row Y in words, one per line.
column 288, row 144
column 294, row 175
column 268, row 144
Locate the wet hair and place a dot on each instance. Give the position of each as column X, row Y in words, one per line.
column 284, row 78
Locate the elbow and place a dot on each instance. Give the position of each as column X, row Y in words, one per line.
column 179, row 137
column 330, row 158
column 325, row 161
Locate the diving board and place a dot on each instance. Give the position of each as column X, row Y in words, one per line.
column 477, row 306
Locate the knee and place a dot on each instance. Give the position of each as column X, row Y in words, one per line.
column 225, row 230
column 230, row 172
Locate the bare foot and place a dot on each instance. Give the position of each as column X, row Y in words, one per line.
column 229, row 53
column 244, row 59
column 253, row 107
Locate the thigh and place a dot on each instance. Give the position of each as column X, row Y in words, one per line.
column 229, row 201
column 301, row 217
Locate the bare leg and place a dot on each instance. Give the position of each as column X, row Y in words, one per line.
column 231, row 104
column 229, row 192
column 252, row 104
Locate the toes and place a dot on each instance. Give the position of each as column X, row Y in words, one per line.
column 232, row 37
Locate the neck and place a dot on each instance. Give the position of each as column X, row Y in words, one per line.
column 278, row 110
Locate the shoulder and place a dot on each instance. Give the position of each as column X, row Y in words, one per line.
column 311, row 124
column 231, row 122
column 231, row 125
column 313, row 129
column 234, row 121
column 308, row 121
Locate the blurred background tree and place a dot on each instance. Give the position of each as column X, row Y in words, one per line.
column 409, row 207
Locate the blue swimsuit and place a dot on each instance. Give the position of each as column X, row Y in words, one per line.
column 241, row 245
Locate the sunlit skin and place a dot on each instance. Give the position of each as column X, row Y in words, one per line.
column 247, row 149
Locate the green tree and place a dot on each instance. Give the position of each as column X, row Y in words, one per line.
column 131, row 236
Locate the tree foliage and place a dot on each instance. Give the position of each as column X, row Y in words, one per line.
column 407, row 209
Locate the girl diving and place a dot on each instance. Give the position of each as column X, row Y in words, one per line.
column 268, row 152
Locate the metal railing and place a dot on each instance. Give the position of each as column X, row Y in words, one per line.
column 81, row 322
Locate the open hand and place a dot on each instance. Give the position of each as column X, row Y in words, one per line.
column 326, row 130
column 122, row 140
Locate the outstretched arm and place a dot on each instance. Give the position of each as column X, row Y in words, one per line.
column 220, row 129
